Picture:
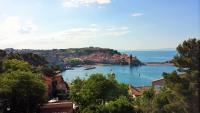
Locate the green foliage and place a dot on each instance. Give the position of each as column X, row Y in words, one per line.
column 23, row 90
column 88, row 62
column 14, row 65
column 14, row 56
column 56, row 68
column 167, row 102
column 93, row 93
column 1, row 66
column 31, row 58
column 180, row 93
column 74, row 62
column 34, row 59
column 90, row 50
column 144, row 102
column 93, row 109
column 120, row 105
column 188, row 55
column 47, row 71
column 186, row 85
column 2, row 54
column 97, row 89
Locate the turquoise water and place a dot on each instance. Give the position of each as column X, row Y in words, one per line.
column 152, row 56
column 137, row 76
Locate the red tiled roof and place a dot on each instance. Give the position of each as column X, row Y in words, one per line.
column 158, row 82
column 134, row 91
column 137, row 91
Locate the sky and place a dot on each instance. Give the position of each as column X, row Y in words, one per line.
column 117, row 24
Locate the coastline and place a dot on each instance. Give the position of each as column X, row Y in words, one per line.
column 137, row 76
column 157, row 64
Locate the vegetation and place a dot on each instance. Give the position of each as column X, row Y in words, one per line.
column 188, row 55
column 31, row 58
column 120, row 105
column 24, row 91
column 145, row 101
column 89, row 50
column 21, row 87
column 58, row 56
column 101, row 94
column 74, row 62
column 180, row 93
column 2, row 55
column 16, row 65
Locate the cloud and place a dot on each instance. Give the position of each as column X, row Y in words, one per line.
column 13, row 30
column 28, row 27
column 137, row 14
column 103, row 1
column 14, row 25
column 93, row 31
column 77, row 3
column 16, row 33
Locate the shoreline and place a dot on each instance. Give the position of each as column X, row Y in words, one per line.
column 145, row 63
column 158, row 63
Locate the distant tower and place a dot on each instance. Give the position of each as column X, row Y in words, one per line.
column 130, row 59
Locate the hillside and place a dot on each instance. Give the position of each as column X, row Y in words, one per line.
column 80, row 56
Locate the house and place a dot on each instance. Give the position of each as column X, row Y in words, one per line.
column 58, row 107
column 159, row 82
column 137, row 91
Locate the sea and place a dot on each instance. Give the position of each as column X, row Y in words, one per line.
column 136, row 76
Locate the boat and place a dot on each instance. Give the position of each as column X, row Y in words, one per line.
column 69, row 68
column 89, row 67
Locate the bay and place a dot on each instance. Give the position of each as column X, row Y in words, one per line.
column 136, row 76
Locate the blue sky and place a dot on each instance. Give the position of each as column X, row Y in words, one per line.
column 117, row 24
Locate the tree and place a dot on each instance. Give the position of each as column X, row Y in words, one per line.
column 11, row 56
column 186, row 88
column 74, row 62
column 2, row 56
column 144, row 102
column 96, row 91
column 23, row 89
column 188, row 55
column 14, row 65
column 186, row 85
column 31, row 58
column 34, row 59
column 76, row 87
column 120, row 105
column 47, row 71
column 167, row 102
column 181, row 91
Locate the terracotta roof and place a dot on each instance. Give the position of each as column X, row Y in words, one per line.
column 134, row 91
column 158, row 82
column 137, row 91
